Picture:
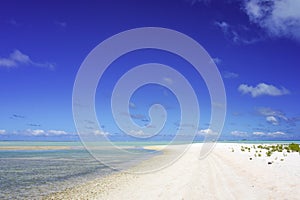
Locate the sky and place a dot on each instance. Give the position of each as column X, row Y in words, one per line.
column 254, row 44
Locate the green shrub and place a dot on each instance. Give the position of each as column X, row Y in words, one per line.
column 294, row 147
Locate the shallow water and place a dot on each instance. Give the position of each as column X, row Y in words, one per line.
column 32, row 174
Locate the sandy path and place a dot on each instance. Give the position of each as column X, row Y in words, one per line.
column 188, row 178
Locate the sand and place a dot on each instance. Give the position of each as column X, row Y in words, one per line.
column 227, row 173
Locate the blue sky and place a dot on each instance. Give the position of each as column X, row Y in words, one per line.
column 255, row 45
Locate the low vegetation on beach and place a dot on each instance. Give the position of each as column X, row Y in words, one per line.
column 274, row 148
column 269, row 150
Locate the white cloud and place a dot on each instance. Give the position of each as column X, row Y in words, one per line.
column 230, row 75
column 224, row 26
column 272, row 134
column 253, row 9
column 14, row 59
column 259, row 133
column 57, row 132
column 99, row 132
column 271, row 112
column 262, row 89
column 17, row 58
column 2, row 132
column 277, row 133
column 280, row 18
column 239, row 133
column 238, row 34
column 207, row 132
column 141, row 133
column 37, row 132
column 272, row 120
column 41, row 132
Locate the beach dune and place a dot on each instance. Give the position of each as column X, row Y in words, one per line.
column 227, row 173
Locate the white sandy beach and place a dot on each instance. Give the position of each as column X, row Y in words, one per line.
column 227, row 173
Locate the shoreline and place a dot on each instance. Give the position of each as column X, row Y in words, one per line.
column 224, row 174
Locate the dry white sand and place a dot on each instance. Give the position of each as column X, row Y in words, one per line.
column 224, row 174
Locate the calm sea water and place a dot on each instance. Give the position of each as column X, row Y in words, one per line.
column 32, row 174
column 28, row 174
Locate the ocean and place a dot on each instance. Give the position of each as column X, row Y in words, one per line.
column 31, row 170
column 31, row 174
